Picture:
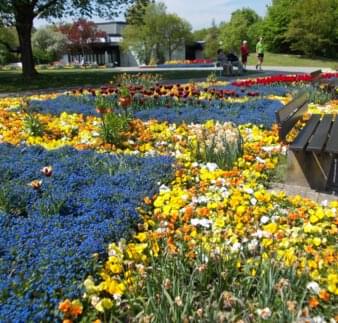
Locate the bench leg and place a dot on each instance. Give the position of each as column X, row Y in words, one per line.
column 333, row 177
column 309, row 169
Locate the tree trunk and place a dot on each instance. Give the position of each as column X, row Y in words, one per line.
column 24, row 25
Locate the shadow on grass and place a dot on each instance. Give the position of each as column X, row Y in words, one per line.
column 12, row 81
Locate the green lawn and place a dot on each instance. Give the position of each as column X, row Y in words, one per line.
column 13, row 82
column 271, row 59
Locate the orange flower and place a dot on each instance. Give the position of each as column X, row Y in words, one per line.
column 76, row 310
column 313, row 302
column 187, row 213
column 324, row 295
column 65, row 306
column 147, row 200
column 171, row 245
column 309, row 249
column 293, row 216
column 67, row 321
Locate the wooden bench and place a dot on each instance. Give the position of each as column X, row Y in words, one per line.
column 313, row 155
column 316, row 77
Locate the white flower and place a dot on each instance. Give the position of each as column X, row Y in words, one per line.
column 264, row 313
column 313, row 287
column 253, row 201
column 202, row 222
column 211, row 167
column 236, row 247
column 325, row 203
column 252, row 245
column 260, row 160
column 265, row 219
column 269, row 149
column 249, row 190
column 164, row 189
column 318, row 319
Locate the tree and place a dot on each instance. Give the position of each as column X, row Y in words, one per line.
column 8, row 45
column 48, row 44
column 159, row 35
column 212, row 41
column 176, row 32
column 313, row 30
column 238, row 29
column 21, row 14
column 276, row 24
column 80, row 34
column 135, row 13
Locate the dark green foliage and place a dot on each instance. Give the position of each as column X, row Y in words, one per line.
column 313, row 29
column 242, row 25
column 135, row 14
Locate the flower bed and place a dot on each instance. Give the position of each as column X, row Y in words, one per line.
column 213, row 244
column 52, row 223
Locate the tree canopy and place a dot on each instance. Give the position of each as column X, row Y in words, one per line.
column 313, row 29
column 48, row 44
column 240, row 27
column 158, row 36
column 21, row 13
column 135, row 13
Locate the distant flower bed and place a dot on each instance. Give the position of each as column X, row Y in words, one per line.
column 261, row 112
column 258, row 111
column 56, row 210
column 286, row 79
column 188, row 61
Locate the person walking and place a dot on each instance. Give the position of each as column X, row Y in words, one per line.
column 260, row 53
column 244, row 53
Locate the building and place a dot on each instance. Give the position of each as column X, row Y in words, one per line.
column 107, row 50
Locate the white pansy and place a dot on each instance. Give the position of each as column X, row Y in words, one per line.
column 318, row 319
column 253, row 244
column 325, row 203
column 264, row 313
column 253, row 201
column 205, row 223
column 265, row 219
column 313, row 287
column 249, row 190
column 260, row 160
column 211, row 167
column 236, row 247
column 164, row 189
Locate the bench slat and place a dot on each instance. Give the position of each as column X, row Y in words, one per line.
column 321, row 134
column 332, row 143
column 305, row 134
column 283, row 114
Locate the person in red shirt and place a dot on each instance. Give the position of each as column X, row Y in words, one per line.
column 244, row 53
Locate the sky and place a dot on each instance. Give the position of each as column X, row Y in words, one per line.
column 200, row 13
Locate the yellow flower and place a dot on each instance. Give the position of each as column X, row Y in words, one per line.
column 135, row 251
column 332, row 282
column 142, row 236
column 317, row 215
column 104, row 304
column 271, row 227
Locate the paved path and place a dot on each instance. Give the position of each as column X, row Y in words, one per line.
column 305, row 192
